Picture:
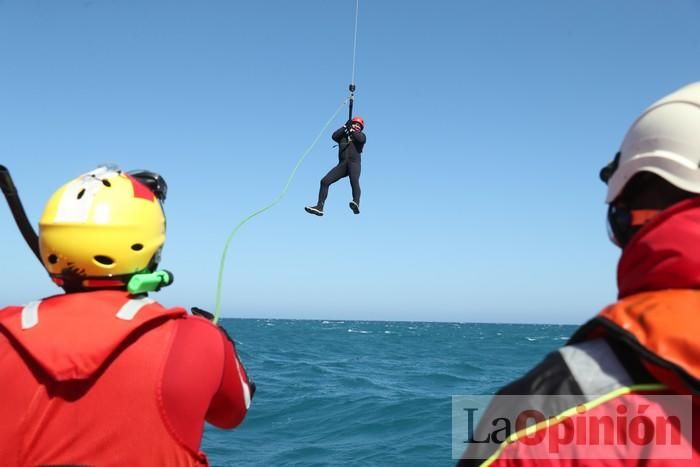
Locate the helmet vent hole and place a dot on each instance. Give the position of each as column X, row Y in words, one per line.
column 104, row 260
column 137, row 247
column 106, row 183
column 53, row 259
column 81, row 193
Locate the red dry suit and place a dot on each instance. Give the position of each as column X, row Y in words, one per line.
column 614, row 368
column 107, row 379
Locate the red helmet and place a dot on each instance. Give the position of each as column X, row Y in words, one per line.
column 359, row 120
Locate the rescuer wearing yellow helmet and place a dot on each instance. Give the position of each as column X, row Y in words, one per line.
column 104, row 374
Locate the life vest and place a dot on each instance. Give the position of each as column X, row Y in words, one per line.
column 662, row 328
column 636, row 355
column 81, row 377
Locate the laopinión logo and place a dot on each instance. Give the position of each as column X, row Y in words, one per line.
column 638, row 426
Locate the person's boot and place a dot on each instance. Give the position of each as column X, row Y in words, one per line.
column 317, row 210
column 355, row 207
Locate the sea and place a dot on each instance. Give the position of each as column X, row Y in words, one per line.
column 367, row 393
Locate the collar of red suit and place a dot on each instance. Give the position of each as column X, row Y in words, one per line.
column 664, row 254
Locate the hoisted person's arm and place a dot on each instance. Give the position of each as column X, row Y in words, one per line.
column 342, row 132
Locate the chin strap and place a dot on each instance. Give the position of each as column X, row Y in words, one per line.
column 623, row 222
column 642, row 216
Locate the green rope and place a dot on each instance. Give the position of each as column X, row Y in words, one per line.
column 259, row 211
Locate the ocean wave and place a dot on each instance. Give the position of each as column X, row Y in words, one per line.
column 327, row 396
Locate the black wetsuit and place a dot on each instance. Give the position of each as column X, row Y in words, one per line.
column 350, row 145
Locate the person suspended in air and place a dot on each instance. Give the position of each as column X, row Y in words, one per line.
column 351, row 141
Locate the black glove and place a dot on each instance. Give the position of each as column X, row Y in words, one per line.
column 203, row 313
column 210, row 317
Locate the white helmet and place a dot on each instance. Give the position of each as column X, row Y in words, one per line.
column 664, row 140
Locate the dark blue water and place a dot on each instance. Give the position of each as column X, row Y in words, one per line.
column 367, row 393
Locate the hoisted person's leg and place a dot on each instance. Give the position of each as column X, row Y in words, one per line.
column 333, row 175
column 354, row 170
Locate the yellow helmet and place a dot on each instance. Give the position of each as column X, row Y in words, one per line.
column 98, row 230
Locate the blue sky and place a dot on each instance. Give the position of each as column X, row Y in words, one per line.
column 487, row 123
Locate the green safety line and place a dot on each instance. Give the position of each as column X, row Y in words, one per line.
column 259, row 211
column 571, row 412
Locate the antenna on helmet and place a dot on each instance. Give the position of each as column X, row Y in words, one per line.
column 12, row 197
